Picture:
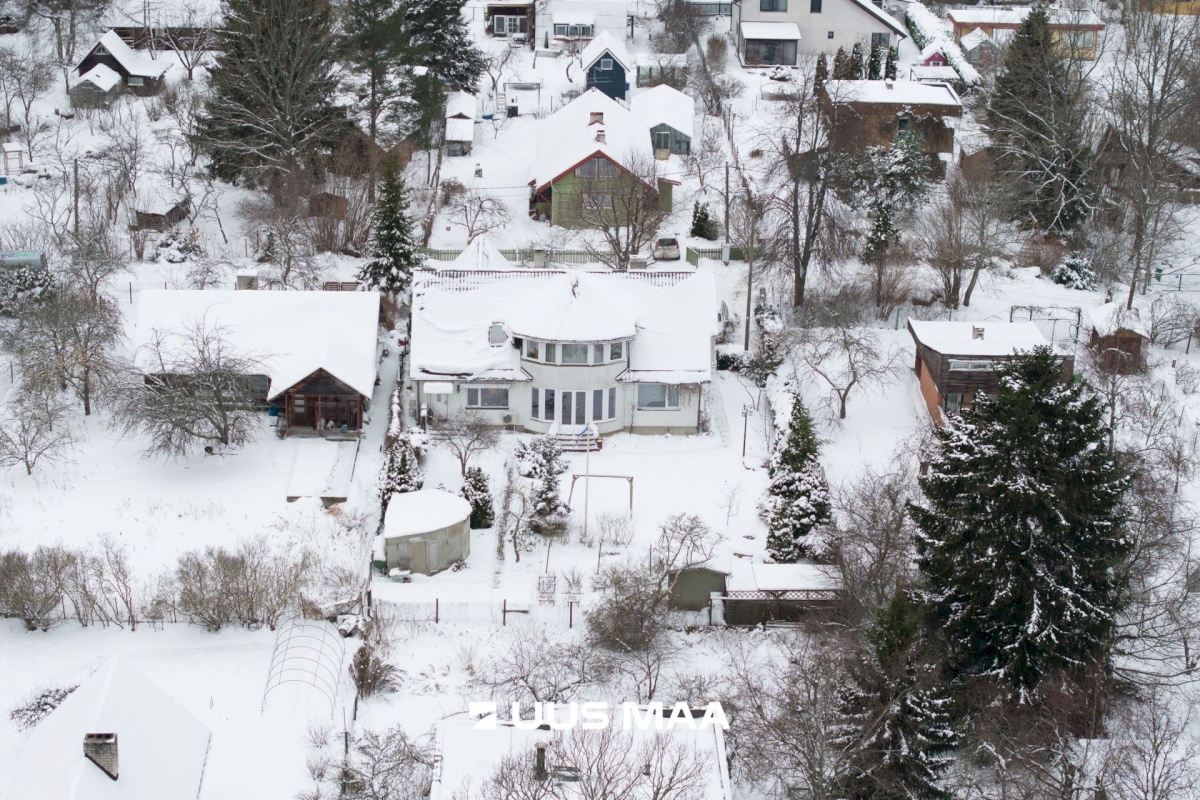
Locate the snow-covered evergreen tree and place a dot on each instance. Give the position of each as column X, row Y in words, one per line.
column 541, row 461
column 401, row 470
column 875, row 64
column 887, row 182
column 797, row 501
column 858, row 61
column 894, row 727
column 842, row 69
column 1022, row 536
column 477, row 492
column 393, row 248
column 820, row 72
column 889, row 67
column 440, row 39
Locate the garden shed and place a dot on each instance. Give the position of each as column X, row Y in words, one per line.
column 692, row 588
column 96, row 88
column 426, row 531
column 1117, row 338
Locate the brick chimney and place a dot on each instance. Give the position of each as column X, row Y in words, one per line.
column 101, row 750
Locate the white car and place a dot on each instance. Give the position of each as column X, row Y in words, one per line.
column 666, row 250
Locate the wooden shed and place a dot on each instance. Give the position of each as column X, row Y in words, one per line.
column 607, row 65
column 141, row 74
column 692, row 588
column 867, row 113
column 96, row 88
column 1118, row 338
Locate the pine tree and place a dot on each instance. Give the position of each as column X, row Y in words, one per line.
column 477, row 492
column 889, row 68
column 858, row 61
column 401, row 470
column 1038, row 115
column 888, row 182
column 820, row 73
column 841, row 66
column 703, row 225
column 894, row 727
column 875, row 64
column 1022, row 536
column 797, row 501
column 270, row 110
column 541, row 461
column 440, row 40
column 393, row 248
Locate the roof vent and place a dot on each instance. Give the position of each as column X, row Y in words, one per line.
column 101, row 750
column 600, row 137
column 596, row 117
column 976, row 332
column 496, row 334
column 889, row 83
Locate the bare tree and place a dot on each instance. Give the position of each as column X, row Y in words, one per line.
column 477, row 213
column 190, row 387
column 189, row 33
column 516, row 778
column 1157, row 756
column 31, row 587
column 465, row 433
column 845, row 358
column 624, row 208
column 535, row 668
column 286, row 244
column 66, row 341
column 389, row 765
column 684, row 541
column 632, row 619
column 25, row 77
column 35, row 430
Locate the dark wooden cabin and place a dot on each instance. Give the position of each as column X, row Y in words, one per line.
column 1118, row 338
column 140, row 74
column 321, row 405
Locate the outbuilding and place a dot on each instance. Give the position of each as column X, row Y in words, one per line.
column 671, row 117
column 606, row 63
column 460, row 123
column 13, row 158
column 141, row 74
column 426, row 531
column 1117, row 338
column 758, row 593
column 692, row 588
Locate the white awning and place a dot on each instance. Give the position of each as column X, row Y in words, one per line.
column 771, row 31
column 438, row 387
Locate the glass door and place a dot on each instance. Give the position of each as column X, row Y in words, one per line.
column 574, row 408
column 580, row 415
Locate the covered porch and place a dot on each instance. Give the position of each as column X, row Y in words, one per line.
column 322, row 406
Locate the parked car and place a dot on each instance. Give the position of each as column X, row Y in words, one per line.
column 666, row 249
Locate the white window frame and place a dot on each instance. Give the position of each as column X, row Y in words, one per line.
column 136, row 80
column 590, row 204
column 606, row 65
column 670, row 396
column 575, row 348
column 964, row 365
column 475, row 397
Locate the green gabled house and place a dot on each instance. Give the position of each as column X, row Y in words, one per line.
column 594, row 154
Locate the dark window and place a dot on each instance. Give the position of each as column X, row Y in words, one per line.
column 597, row 405
column 612, row 402
column 566, row 408
column 487, row 398
column 772, row 5
column 763, row 52
column 877, row 39
column 551, row 353
column 902, row 124
column 537, row 411
column 597, row 354
column 830, row 36
column 614, row 351
column 580, row 411
column 814, row 6
column 549, row 415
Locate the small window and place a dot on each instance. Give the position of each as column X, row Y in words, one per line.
column 902, row 124
column 587, row 169
column 549, row 406
column 573, row 30
column 830, row 36
column 531, row 349
column 136, row 80
column 574, row 354
column 606, row 64
column 101, row 50
column 597, row 405
column 598, row 354
column 952, row 402
column 536, row 407
column 614, row 351
column 880, row 40
column 487, row 397
column 551, row 353
column 657, row 395
column 560, row 30
column 612, row 402
column 596, row 118
column 585, row 31
column 772, row 5
column 593, row 201
column 606, row 169
column 814, row 6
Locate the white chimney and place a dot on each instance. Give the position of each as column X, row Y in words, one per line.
column 101, row 750
column 976, row 332
column 247, row 279
column 889, row 83
column 496, row 334
column 600, row 136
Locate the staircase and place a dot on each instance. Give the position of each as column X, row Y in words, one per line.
column 577, row 439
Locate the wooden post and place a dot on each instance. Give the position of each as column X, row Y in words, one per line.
column 437, row 611
column 570, row 613
column 504, row 613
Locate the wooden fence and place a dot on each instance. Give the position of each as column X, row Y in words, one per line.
column 522, row 255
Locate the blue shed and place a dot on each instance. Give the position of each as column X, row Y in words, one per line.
column 607, row 65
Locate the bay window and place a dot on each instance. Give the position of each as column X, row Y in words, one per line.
column 574, row 353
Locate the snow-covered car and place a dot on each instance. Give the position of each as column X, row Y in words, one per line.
column 666, row 249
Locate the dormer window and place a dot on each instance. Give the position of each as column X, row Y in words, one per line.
column 616, row 351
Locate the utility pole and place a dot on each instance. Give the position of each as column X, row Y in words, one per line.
column 77, row 201
column 726, row 202
column 750, row 280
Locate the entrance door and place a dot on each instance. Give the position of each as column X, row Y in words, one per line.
column 580, row 410
column 574, row 408
column 499, row 23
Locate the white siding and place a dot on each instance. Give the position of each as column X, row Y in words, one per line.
column 849, row 23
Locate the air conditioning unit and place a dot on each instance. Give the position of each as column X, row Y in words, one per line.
column 507, row 419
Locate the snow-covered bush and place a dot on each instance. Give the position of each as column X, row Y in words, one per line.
column 176, row 247
column 370, row 673
column 767, row 356
column 477, row 492
column 927, row 29
column 1075, row 272
column 26, row 715
column 797, row 504
column 23, row 283
column 401, row 468
column 541, row 461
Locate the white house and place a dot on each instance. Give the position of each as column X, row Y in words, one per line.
column 568, row 23
column 117, row 737
column 565, row 352
column 778, row 31
column 469, row 754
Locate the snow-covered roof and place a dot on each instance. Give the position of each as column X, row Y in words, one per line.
column 135, row 63
column 11, row 147
column 423, row 511
column 605, row 42
column 908, row 93
column 974, row 39
column 161, row 748
column 938, row 72
column 749, row 577
column 1015, row 15
column 665, row 105
column 959, row 339
column 931, row 49
column 671, row 327
column 568, row 136
column 461, row 104
column 481, row 254
column 781, row 31
column 102, row 76
column 460, row 130
column 879, row 14
column 1112, row 317
column 467, row 756
column 292, row 333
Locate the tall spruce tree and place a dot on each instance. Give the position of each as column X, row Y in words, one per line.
column 541, row 461
column 478, row 493
column 820, row 73
column 797, row 501
column 393, row 249
column 888, row 182
column 439, row 36
column 270, row 110
column 894, row 726
column 858, row 61
column 1038, row 114
column 841, row 65
column 401, row 470
column 1022, row 536
column 889, row 67
column 875, row 64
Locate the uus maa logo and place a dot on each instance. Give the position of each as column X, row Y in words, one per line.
column 598, row 715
